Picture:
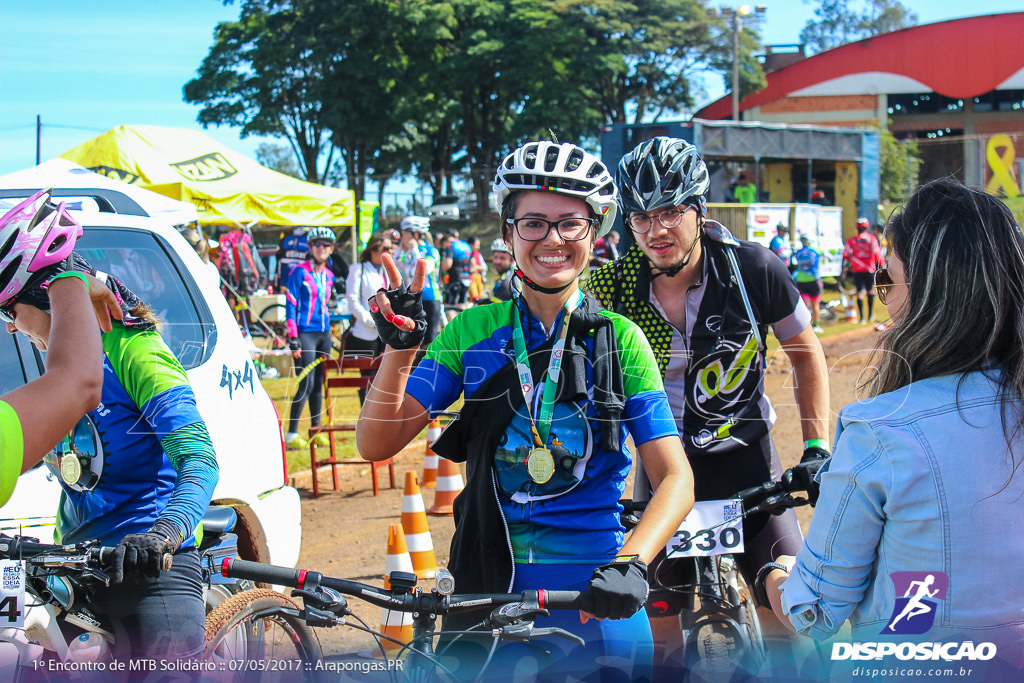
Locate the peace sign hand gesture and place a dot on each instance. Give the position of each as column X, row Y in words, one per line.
column 398, row 312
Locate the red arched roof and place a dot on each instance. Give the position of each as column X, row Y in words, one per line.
column 960, row 58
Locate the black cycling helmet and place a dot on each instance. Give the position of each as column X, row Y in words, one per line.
column 662, row 172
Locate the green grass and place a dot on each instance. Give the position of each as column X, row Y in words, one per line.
column 346, row 409
column 1017, row 207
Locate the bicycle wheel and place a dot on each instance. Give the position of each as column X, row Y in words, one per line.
column 249, row 635
column 754, row 658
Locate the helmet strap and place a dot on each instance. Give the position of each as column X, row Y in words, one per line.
column 672, row 271
column 534, row 286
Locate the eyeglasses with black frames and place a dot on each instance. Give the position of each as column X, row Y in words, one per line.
column 536, row 229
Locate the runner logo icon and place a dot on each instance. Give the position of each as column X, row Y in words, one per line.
column 914, row 612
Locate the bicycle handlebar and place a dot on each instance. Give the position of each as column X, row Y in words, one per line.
column 31, row 550
column 391, row 599
column 766, row 497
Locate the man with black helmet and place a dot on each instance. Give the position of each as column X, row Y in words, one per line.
column 705, row 301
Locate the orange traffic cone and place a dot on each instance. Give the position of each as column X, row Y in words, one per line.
column 417, row 535
column 449, row 483
column 430, row 457
column 851, row 308
column 395, row 624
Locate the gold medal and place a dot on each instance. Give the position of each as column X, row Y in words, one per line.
column 70, row 469
column 541, row 465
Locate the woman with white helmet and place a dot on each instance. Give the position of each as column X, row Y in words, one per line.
column 308, row 321
column 34, row 235
column 551, row 385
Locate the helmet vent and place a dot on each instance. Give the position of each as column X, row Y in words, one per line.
column 574, row 161
column 551, row 159
column 57, row 243
column 9, row 272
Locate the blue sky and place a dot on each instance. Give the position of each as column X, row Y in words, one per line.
column 86, row 67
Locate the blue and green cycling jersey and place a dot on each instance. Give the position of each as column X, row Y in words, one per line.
column 807, row 263
column 11, row 450
column 156, row 456
column 573, row 518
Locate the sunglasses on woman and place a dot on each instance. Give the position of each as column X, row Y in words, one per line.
column 883, row 281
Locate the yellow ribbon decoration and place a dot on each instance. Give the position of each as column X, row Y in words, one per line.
column 1001, row 165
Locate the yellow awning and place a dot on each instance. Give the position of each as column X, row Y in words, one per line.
column 225, row 186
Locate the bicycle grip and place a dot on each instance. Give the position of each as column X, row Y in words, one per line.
column 266, row 573
column 105, row 555
column 561, row 600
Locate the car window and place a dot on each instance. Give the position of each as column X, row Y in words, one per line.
column 150, row 268
column 11, row 374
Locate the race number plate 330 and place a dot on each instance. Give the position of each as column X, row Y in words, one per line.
column 12, row 593
column 713, row 527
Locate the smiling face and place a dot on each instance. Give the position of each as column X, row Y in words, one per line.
column 667, row 247
column 552, row 261
column 33, row 323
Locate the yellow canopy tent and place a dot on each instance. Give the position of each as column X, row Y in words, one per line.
column 225, row 186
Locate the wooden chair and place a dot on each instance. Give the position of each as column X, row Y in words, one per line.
column 332, row 370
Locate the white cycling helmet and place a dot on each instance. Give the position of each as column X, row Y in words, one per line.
column 33, row 235
column 320, row 233
column 500, row 245
column 563, row 168
column 418, row 224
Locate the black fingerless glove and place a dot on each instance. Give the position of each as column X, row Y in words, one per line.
column 617, row 590
column 294, row 344
column 142, row 554
column 404, row 303
column 803, row 474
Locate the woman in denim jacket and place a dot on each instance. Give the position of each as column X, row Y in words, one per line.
column 914, row 537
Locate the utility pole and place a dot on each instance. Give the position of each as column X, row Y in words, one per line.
column 735, row 15
column 39, row 139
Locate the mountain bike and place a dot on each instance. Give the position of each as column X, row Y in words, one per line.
column 721, row 631
column 511, row 619
column 60, row 628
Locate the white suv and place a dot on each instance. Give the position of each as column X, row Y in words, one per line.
column 156, row 262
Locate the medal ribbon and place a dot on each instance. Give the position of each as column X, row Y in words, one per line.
column 540, row 427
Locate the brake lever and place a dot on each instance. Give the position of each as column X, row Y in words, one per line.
column 559, row 632
column 516, row 613
column 325, row 599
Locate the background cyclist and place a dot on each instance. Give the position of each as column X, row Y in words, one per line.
column 705, row 301
column 544, row 475
column 308, row 321
column 861, row 258
column 35, row 417
column 501, row 259
column 808, row 279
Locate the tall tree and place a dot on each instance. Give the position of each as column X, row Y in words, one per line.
column 838, row 22
column 886, row 16
column 264, row 74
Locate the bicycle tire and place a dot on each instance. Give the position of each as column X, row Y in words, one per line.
column 248, row 635
column 710, row 659
column 755, row 657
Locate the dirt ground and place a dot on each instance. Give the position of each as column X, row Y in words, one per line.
column 344, row 532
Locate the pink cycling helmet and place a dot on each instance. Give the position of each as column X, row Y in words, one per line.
column 33, row 235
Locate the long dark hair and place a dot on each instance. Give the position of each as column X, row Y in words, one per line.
column 371, row 246
column 963, row 257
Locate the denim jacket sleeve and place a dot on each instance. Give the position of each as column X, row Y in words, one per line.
column 834, row 568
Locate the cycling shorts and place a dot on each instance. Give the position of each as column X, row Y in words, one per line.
column 810, row 289
column 864, row 282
